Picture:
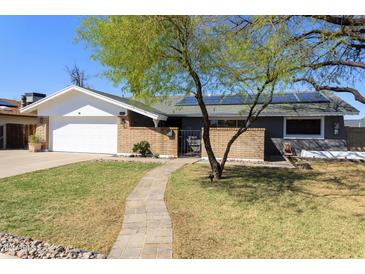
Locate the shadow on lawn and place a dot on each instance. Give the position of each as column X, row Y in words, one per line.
column 252, row 184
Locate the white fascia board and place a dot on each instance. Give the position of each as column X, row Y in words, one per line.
column 236, row 116
column 34, row 106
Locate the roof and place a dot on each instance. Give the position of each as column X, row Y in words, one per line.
column 333, row 106
column 129, row 101
column 11, row 108
column 330, row 104
column 122, row 102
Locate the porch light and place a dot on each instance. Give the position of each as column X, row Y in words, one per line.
column 336, row 128
column 169, row 133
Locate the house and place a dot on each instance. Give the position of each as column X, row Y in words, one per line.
column 355, row 122
column 77, row 119
column 15, row 127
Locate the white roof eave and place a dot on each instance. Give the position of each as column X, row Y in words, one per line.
column 35, row 105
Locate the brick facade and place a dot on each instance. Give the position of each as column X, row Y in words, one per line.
column 157, row 138
column 42, row 131
column 249, row 146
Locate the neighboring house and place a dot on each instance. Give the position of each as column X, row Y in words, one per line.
column 76, row 119
column 15, row 127
column 355, row 123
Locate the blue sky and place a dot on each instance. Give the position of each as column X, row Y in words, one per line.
column 34, row 51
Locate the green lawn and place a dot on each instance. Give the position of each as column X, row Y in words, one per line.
column 257, row 212
column 79, row 205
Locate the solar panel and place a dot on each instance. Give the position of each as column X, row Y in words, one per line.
column 233, row 100
column 284, row 98
column 6, row 104
column 278, row 98
column 213, row 100
column 311, row 97
column 187, row 101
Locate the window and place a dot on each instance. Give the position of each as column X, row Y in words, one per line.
column 227, row 123
column 302, row 128
column 224, row 123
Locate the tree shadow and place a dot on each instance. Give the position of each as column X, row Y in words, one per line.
column 252, row 184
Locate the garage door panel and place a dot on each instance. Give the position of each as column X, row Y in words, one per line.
column 84, row 134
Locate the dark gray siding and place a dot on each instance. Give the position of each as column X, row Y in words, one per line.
column 330, row 142
column 139, row 120
column 273, row 129
column 191, row 123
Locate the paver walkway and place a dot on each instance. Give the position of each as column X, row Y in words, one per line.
column 146, row 231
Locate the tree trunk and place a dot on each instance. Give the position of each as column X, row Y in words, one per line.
column 214, row 164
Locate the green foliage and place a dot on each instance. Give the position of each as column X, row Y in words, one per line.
column 142, row 147
column 148, row 54
column 33, row 139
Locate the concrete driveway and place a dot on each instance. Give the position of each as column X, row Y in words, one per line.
column 14, row 162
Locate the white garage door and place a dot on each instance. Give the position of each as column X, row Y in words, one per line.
column 84, row 134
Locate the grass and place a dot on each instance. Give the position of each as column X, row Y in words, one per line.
column 78, row 205
column 256, row 212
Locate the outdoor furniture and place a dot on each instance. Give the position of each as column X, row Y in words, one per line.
column 287, row 150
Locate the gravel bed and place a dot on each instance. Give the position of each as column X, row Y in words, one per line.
column 27, row 248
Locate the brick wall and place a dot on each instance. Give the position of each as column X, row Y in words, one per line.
column 42, row 131
column 160, row 143
column 355, row 138
column 250, row 145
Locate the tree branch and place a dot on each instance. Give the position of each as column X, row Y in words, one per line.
column 358, row 96
column 336, row 63
column 340, row 20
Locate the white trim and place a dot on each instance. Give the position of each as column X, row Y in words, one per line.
column 303, row 136
column 155, row 122
column 34, row 106
column 238, row 116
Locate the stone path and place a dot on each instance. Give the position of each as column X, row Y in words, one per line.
column 146, row 231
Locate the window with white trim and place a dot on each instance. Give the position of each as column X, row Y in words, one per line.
column 304, row 128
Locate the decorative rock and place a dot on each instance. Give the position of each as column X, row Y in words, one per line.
column 27, row 248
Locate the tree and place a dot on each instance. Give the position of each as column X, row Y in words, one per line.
column 334, row 48
column 165, row 55
column 77, row 76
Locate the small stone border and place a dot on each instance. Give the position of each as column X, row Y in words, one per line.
column 27, row 248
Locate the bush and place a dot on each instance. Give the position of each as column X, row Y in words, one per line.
column 33, row 139
column 142, row 147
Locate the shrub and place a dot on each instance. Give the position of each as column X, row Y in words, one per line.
column 33, row 139
column 142, row 147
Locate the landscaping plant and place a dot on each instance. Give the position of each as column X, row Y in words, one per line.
column 142, row 147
